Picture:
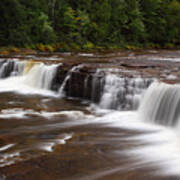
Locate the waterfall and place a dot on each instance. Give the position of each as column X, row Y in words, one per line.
column 28, row 66
column 108, row 89
column 123, row 93
column 40, row 76
column 11, row 68
column 30, row 73
column 161, row 104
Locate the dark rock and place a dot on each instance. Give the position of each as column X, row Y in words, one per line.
column 85, row 86
column 167, row 81
column 59, row 78
column 7, row 67
column 139, row 65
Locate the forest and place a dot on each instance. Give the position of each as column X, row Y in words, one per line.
column 88, row 24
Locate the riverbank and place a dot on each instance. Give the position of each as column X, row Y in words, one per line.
column 87, row 48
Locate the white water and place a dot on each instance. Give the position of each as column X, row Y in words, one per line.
column 171, row 59
column 161, row 104
column 21, row 113
column 13, row 153
column 156, row 146
column 123, row 93
column 12, row 68
column 40, row 76
column 4, row 148
column 28, row 77
column 159, row 146
column 49, row 146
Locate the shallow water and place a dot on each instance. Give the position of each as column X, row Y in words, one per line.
column 44, row 136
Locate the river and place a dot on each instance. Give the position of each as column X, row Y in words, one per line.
column 108, row 116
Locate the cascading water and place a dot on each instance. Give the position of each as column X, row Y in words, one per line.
column 161, row 104
column 110, row 91
column 27, row 73
column 40, row 76
column 123, row 93
column 34, row 125
column 11, row 68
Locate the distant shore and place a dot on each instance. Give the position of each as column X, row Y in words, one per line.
column 60, row 48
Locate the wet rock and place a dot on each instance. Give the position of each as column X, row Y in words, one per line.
column 85, row 86
column 177, row 81
column 7, row 68
column 59, row 78
column 138, row 65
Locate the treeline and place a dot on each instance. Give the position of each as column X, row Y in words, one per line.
column 90, row 23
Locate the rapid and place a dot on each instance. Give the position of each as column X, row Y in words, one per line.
column 119, row 124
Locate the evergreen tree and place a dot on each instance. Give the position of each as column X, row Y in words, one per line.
column 102, row 22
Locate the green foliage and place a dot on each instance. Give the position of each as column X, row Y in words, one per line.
column 172, row 16
column 23, row 23
column 88, row 46
column 86, row 24
column 100, row 16
column 46, row 32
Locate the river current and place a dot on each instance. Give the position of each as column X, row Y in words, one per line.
column 132, row 133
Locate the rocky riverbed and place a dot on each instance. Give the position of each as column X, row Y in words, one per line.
column 83, row 124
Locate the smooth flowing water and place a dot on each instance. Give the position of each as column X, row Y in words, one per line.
column 131, row 133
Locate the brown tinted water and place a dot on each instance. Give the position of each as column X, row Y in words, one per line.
column 52, row 138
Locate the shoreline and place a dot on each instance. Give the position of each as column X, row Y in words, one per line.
column 50, row 49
